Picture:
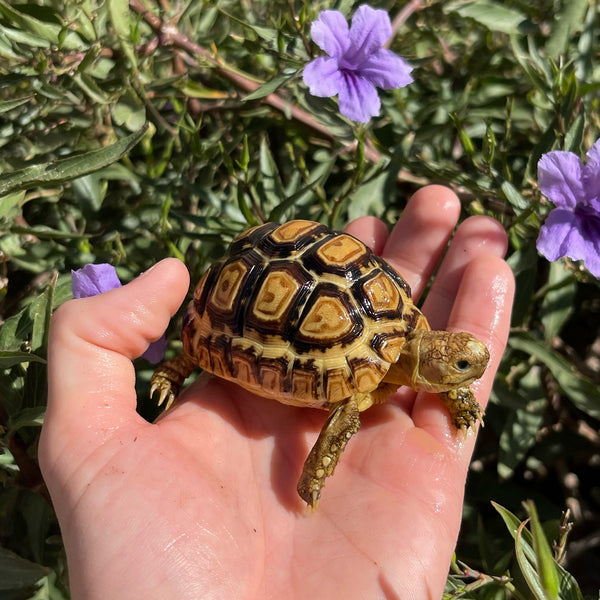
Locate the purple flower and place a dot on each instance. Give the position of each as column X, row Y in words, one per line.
column 572, row 228
column 95, row 279
column 356, row 63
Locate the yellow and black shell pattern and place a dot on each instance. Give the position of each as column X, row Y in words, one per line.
column 299, row 313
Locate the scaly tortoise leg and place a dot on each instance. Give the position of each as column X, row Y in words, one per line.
column 341, row 424
column 168, row 378
column 464, row 410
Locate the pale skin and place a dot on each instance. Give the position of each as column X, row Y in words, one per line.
column 203, row 503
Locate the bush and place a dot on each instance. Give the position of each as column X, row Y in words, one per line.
column 128, row 135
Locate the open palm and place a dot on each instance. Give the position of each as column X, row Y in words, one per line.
column 202, row 503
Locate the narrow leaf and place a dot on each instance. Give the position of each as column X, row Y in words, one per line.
column 567, row 20
column 7, row 105
column 514, row 196
column 18, row 574
column 523, row 423
column 269, row 183
column 569, row 590
column 557, row 305
column 30, row 24
column 492, row 15
column 28, row 417
column 10, row 358
column 526, row 564
column 68, row 168
column 546, row 567
column 268, row 88
column 120, row 18
column 581, row 390
column 40, row 313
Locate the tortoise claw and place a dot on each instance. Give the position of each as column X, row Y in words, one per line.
column 169, row 377
column 166, row 393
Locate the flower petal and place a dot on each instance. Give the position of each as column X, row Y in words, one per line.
column 556, row 233
column 560, row 175
column 386, row 70
column 330, row 32
column 156, row 350
column 591, row 177
column 322, row 76
column 358, row 98
column 94, row 279
column 563, row 235
column 369, row 31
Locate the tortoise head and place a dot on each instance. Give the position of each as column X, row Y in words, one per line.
column 438, row 361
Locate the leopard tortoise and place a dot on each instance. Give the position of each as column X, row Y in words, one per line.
column 311, row 317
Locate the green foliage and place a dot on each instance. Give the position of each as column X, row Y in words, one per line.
column 130, row 132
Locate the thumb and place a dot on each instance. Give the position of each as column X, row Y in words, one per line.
column 91, row 380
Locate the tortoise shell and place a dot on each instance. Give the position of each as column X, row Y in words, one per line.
column 299, row 313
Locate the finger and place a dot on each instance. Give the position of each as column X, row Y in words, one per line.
column 370, row 231
column 92, row 341
column 477, row 236
column 417, row 242
column 482, row 307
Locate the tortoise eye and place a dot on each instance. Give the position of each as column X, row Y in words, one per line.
column 462, row 365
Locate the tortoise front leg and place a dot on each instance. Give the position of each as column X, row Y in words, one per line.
column 464, row 410
column 342, row 423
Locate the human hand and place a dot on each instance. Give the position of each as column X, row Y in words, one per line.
column 203, row 504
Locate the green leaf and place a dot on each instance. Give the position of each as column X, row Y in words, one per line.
column 269, row 87
column 40, row 312
column 27, row 417
column 129, row 112
column 14, row 331
column 492, row 15
column 268, row 34
column 581, row 390
column 300, row 196
column 574, row 136
column 10, row 358
column 546, row 567
column 557, row 305
column 120, row 19
column 269, row 185
column 10, row 203
column 513, row 196
column 45, row 232
column 18, row 574
column 527, row 564
column 567, row 20
column 569, row 590
column 7, row 105
column 68, row 168
column 513, row 523
column 523, row 423
column 46, row 31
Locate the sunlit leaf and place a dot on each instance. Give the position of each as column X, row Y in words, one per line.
column 493, row 15
column 581, row 390
column 68, row 168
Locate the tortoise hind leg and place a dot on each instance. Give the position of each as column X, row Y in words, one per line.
column 341, row 424
column 168, row 378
